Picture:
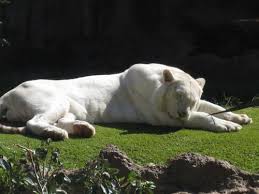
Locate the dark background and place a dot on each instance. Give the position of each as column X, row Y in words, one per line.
column 56, row 39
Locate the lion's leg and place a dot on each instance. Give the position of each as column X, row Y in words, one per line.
column 76, row 127
column 42, row 126
column 202, row 120
column 210, row 108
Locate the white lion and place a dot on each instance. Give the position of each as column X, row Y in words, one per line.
column 145, row 93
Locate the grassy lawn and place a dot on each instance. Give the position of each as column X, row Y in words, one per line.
column 146, row 144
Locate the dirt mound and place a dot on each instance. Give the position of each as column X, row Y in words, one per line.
column 188, row 173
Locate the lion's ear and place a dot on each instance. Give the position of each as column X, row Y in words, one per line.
column 201, row 82
column 168, row 77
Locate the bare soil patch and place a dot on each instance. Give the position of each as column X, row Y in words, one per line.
column 190, row 172
column 187, row 173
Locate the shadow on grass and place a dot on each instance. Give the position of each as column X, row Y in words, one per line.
column 130, row 128
column 126, row 128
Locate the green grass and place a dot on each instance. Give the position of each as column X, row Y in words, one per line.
column 146, row 144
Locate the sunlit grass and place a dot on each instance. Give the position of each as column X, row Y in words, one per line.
column 146, row 144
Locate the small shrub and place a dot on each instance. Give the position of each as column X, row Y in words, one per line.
column 12, row 176
column 40, row 171
column 101, row 178
column 136, row 184
column 36, row 171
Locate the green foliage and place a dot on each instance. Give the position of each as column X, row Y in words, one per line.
column 44, row 165
column 135, row 184
column 11, row 175
column 101, row 178
column 40, row 171
column 36, row 171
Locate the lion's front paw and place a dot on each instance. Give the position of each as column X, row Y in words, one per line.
column 225, row 126
column 241, row 119
column 55, row 133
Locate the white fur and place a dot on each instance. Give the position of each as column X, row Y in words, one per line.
column 155, row 94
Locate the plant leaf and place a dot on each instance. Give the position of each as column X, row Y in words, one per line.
column 4, row 163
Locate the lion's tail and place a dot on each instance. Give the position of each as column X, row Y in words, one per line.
column 12, row 130
column 6, row 128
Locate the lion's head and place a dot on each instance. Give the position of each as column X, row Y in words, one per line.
column 181, row 95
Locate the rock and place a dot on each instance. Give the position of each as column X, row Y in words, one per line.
column 119, row 160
